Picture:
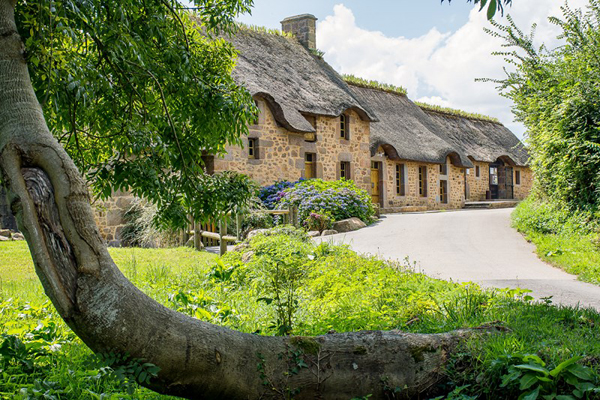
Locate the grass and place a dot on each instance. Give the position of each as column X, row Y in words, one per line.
column 336, row 289
column 456, row 113
column 386, row 87
column 569, row 241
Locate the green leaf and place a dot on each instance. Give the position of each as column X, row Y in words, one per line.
column 564, row 365
column 580, row 372
column 533, row 395
column 535, row 368
column 483, row 3
column 527, row 381
column 491, row 9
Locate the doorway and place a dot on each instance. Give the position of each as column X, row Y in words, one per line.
column 376, row 182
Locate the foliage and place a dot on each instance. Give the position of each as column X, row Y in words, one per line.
column 556, row 96
column 526, row 375
column 270, row 195
column 135, row 91
column 336, row 290
column 456, row 113
column 569, row 240
column 340, row 199
column 140, row 230
column 354, row 80
column 493, row 6
column 256, row 220
column 318, row 221
column 262, row 29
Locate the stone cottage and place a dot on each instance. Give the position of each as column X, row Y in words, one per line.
column 315, row 124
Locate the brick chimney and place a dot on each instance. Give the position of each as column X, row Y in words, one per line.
column 304, row 27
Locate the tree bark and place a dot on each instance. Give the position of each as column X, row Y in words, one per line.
column 197, row 359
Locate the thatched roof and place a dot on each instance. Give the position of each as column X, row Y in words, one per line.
column 481, row 140
column 291, row 79
column 404, row 130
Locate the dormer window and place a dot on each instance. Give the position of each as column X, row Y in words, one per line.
column 345, row 127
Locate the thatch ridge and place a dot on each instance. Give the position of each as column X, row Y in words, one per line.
column 372, row 84
column 484, row 141
column 288, row 75
column 456, row 113
column 404, row 130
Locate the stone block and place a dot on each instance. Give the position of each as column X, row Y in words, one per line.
column 349, row 225
column 329, row 232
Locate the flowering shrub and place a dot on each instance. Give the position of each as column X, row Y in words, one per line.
column 318, row 221
column 339, row 199
column 270, row 195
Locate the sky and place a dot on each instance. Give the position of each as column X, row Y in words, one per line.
column 435, row 50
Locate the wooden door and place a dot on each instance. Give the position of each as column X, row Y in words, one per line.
column 508, row 182
column 375, row 192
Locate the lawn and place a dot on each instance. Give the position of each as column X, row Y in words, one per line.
column 337, row 289
column 570, row 241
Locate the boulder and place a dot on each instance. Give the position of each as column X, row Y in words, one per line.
column 329, row 232
column 4, row 239
column 17, row 236
column 5, row 232
column 255, row 232
column 314, row 233
column 349, row 225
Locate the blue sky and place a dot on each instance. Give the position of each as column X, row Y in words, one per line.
column 409, row 18
column 436, row 51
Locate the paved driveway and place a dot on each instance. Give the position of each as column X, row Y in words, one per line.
column 475, row 245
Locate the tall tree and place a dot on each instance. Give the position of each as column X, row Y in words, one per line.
column 555, row 94
column 196, row 359
column 493, row 6
column 135, row 92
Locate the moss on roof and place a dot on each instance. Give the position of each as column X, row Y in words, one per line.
column 456, row 113
column 262, row 29
column 356, row 81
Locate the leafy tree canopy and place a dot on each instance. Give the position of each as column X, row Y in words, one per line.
column 557, row 97
column 492, row 5
column 137, row 92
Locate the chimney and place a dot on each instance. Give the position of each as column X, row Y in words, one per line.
column 304, row 27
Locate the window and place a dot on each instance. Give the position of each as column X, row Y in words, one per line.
column 310, row 165
column 444, row 169
column 477, row 171
column 345, row 170
column 517, row 177
column 345, row 127
column 400, row 182
column 423, row 181
column 493, row 176
column 253, row 148
column 443, row 191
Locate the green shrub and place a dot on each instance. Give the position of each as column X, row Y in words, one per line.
column 318, row 221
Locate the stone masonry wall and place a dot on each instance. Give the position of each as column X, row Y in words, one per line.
column 412, row 199
column 522, row 191
column 109, row 216
column 281, row 154
column 478, row 186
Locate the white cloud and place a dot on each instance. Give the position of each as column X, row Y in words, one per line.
column 437, row 67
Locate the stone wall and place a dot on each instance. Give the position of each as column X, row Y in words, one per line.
column 522, row 191
column 281, row 154
column 109, row 216
column 412, row 201
column 478, row 186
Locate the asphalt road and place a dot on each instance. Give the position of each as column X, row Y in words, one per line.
column 470, row 246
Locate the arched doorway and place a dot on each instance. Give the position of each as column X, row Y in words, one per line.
column 501, row 180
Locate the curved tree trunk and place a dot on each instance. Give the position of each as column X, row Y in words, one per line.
column 197, row 359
